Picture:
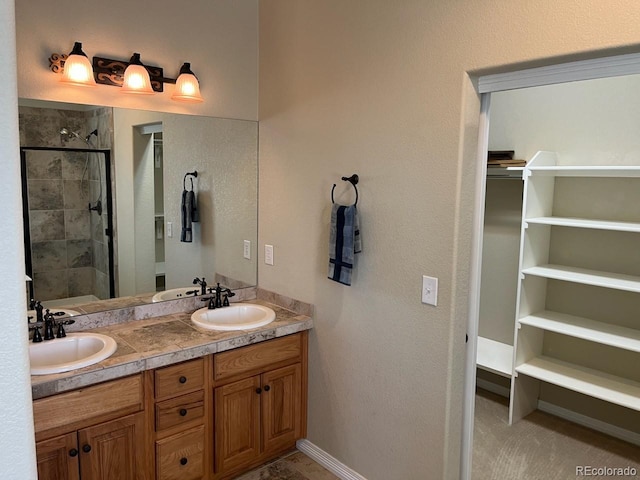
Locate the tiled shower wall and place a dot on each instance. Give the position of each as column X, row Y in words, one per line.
column 69, row 245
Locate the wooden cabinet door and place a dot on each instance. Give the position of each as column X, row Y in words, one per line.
column 57, row 458
column 114, row 450
column 237, row 424
column 281, row 407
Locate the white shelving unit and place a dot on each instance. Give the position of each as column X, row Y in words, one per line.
column 534, row 320
column 503, row 214
column 495, row 357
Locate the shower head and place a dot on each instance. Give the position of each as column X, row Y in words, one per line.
column 88, row 137
column 65, row 132
column 69, row 134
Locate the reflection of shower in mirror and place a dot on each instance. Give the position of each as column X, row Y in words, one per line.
column 68, row 134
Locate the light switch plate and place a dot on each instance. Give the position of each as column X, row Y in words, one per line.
column 268, row 254
column 430, row 290
column 169, row 229
column 246, row 253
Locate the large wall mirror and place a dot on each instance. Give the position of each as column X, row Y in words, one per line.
column 105, row 211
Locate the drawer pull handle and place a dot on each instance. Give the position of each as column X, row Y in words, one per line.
column 182, row 379
column 183, row 412
column 267, row 388
column 183, row 461
column 258, row 390
column 86, row 448
column 73, row 452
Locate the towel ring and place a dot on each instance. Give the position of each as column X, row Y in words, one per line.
column 184, row 180
column 353, row 179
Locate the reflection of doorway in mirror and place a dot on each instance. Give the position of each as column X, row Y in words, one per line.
column 148, row 208
column 158, row 193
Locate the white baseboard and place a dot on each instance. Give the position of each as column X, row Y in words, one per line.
column 492, row 387
column 339, row 469
column 592, row 423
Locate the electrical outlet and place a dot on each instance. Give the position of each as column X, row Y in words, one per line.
column 247, row 250
column 268, row 254
column 430, row 290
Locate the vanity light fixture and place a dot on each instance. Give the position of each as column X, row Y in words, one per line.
column 78, row 69
column 187, row 86
column 132, row 76
column 136, row 78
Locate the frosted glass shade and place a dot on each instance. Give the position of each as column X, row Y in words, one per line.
column 187, row 86
column 136, row 80
column 78, row 71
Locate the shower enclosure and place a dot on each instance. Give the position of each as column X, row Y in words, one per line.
column 68, row 225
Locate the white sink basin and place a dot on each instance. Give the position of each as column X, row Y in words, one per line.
column 76, row 350
column 237, row 316
column 174, row 294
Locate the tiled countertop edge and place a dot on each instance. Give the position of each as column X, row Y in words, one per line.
column 100, row 373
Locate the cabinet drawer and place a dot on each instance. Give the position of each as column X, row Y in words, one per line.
column 256, row 358
column 176, row 411
column 73, row 410
column 181, row 456
column 179, row 379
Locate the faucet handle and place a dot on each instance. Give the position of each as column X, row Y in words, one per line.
column 212, row 302
column 61, row 333
column 37, row 336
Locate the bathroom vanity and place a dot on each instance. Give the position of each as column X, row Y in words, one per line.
column 176, row 402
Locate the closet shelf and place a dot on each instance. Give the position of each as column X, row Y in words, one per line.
column 584, row 380
column 585, row 171
column 505, row 172
column 586, row 329
column 585, row 223
column 585, row 276
column 495, row 357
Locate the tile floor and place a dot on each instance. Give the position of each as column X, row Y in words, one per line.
column 294, row 466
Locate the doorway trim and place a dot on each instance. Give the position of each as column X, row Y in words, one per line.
column 590, row 69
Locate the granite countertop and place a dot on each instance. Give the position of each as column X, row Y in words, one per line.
column 164, row 340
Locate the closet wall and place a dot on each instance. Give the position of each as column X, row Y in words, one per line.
column 587, row 123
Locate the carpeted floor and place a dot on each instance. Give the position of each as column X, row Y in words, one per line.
column 541, row 446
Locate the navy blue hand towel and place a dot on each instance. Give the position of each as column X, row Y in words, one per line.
column 189, row 215
column 344, row 242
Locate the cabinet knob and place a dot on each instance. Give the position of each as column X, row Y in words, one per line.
column 73, row 452
column 258, row 390
column 182, row 379
column 267, row 388
column 183, row 412
column 183, row 461
column 86, row 448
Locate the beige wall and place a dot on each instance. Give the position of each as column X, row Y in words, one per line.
column 218, row 37
column 17, row 446
column 379, row 88
column 223, row 152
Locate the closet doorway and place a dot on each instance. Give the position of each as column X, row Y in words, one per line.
column 552, row 332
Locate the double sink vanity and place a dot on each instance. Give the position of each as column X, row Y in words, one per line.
column 172, row 390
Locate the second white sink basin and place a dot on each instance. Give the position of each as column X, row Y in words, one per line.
column 76, row 350
column 237, row 316
column 174, row 294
